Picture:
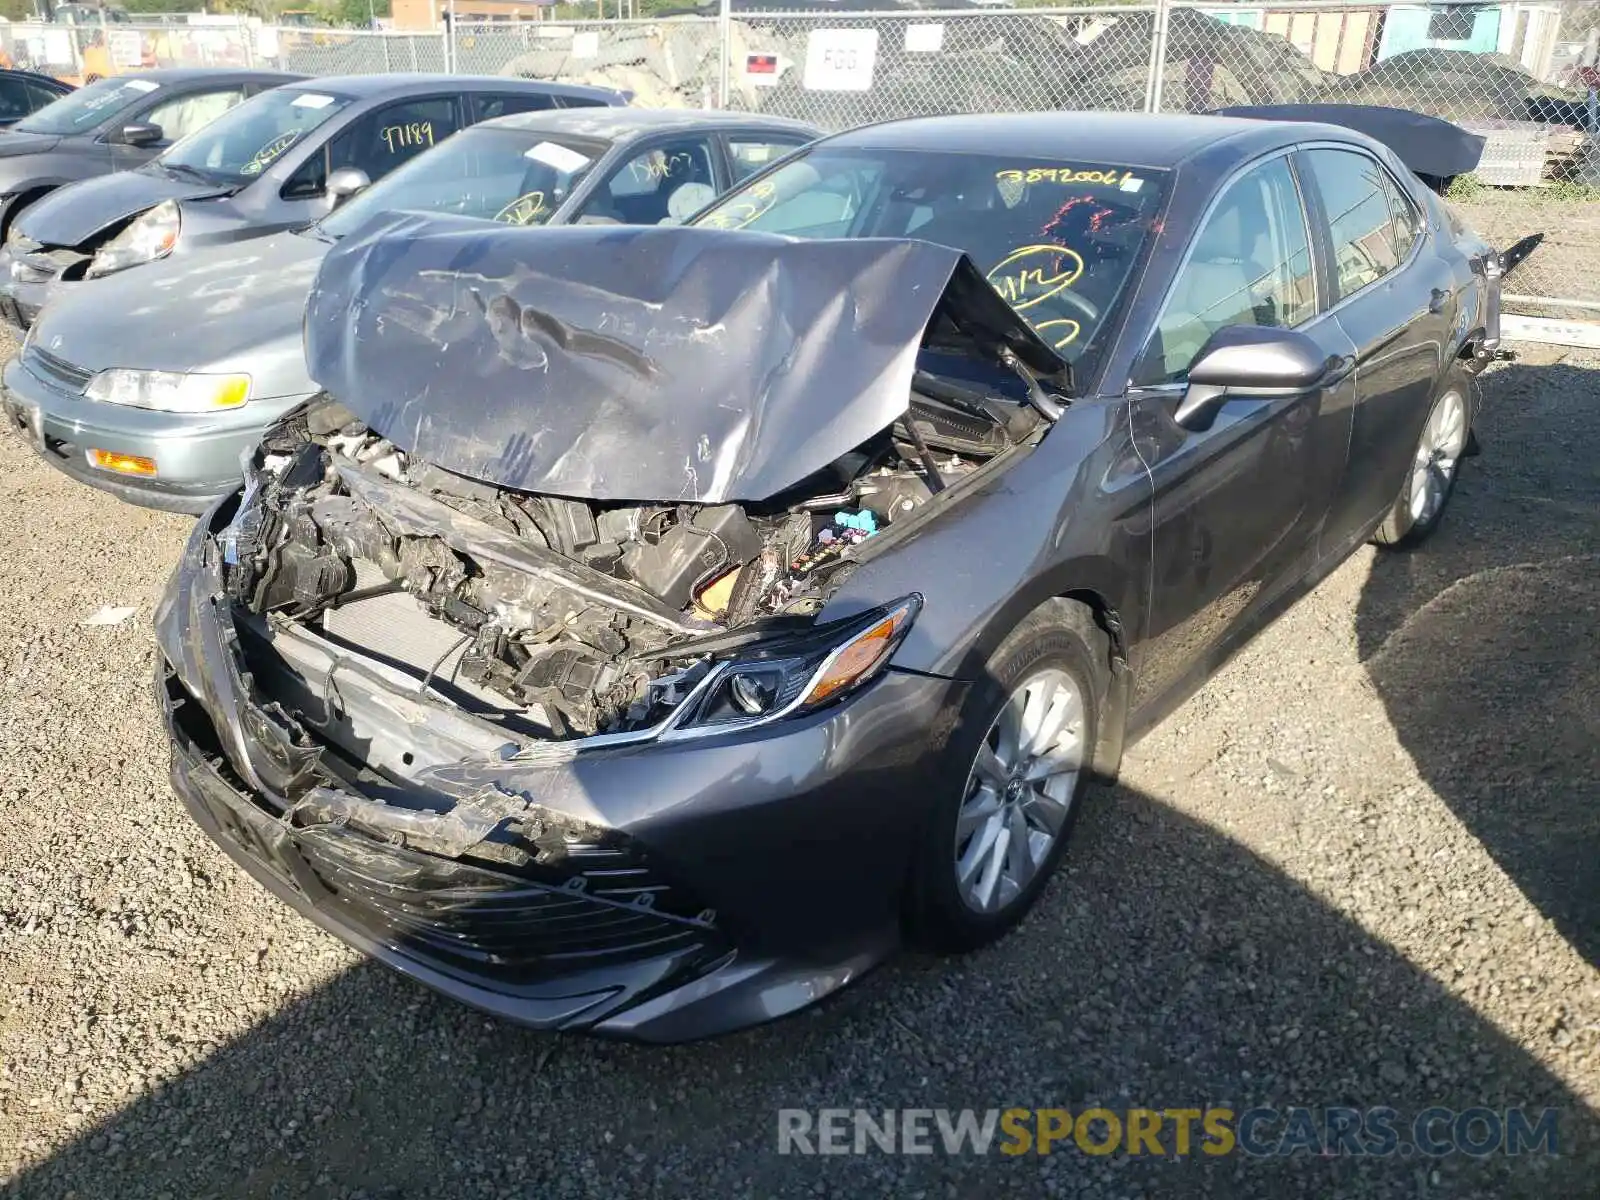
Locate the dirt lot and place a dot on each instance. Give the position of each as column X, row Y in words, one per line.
column 1566, row 266
column 1361, row 867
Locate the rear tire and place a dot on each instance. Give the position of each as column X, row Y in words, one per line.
column 1013, row 779
column 1434, row 466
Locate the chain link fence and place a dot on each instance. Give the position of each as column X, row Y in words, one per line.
column 1523, row 73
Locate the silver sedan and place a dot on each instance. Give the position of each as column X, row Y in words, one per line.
column 149, row 384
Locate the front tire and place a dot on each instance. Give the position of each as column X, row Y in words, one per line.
column 1014, row 775
column 1434, row 467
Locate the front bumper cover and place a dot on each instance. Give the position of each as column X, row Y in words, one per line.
column 797, row 843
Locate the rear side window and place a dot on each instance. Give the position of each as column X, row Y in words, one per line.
column 1371, row 223
column 504, row 104
column 749, row 155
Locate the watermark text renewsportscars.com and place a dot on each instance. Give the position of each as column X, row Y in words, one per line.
column 1171, row 1132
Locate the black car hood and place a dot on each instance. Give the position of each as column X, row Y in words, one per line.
column 648, row 363
column 1427, row 145
column 17, row 143
column 71, row 215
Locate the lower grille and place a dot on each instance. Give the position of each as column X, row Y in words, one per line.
column 464, row 916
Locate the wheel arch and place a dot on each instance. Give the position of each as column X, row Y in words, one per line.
column 1106, row 591
column 21, row 201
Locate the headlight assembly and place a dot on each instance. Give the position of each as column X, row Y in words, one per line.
column 148, row 237
column 169, row 391
column 802, row 674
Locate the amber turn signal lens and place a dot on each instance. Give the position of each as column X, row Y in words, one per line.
column 122, row 464
column 860, row 658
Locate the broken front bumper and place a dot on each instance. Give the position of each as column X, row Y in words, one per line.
column 27, row 283
column 793, row 845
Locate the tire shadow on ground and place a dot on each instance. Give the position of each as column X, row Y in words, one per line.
column 1481, row 643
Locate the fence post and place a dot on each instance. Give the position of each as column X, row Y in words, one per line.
column 724, row 51
column 249, row 42
column 1158, row 57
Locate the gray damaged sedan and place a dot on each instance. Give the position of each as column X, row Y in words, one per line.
column 115, row 125
column 650, row 629
column 277, row 161
column 157, row 406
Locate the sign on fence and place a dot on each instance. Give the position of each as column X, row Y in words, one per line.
column 840, row 60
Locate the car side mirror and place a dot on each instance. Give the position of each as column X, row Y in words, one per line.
column 1248, row 360
column 140, row 133
column 346, row 182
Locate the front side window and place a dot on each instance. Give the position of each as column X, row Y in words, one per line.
column 507, row 175
column 393, row 135
column 1057, row 239
column 89, row 106
column 191, row 113
column 1250, row 264
column 245, row 140
column 14, row 99
column 1367, row 241
column 379, row 142
column 668, row 182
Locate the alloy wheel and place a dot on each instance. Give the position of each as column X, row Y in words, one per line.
column 1019, row 790
column 1439, row 449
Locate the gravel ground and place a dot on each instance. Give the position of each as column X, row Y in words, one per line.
column 1361, row 867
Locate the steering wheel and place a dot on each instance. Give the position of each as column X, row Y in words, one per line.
column 1078, row 302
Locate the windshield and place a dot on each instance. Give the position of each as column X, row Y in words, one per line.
column 1057, row 238
column 508, row 175
column 87, row 107
column 248, row 138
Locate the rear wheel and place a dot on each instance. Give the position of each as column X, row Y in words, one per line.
column 1016, row 770
column 1435, row 463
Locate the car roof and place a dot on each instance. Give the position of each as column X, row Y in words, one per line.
column 364, row 87
column 613, row 124
column 1126, row 139
column 171, row 76
column 37, row 77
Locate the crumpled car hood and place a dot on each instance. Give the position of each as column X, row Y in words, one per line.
column 71, row 215
column 653, row 363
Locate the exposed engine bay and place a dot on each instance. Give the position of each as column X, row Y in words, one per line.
column 584, row 617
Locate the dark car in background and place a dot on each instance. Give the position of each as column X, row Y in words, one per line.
column 156, row 405
column 651, row 628
column 283, row 159
column 23, row 93
column 114, row 125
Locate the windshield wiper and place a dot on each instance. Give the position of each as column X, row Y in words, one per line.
column 185, row 170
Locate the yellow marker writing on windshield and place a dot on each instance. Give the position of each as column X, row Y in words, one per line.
column 523, row 210
column 1032, row 274
column 1113, row 175
column 744, row 208
column 1061, row 332
column 259, row 160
